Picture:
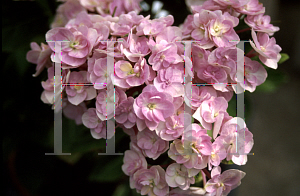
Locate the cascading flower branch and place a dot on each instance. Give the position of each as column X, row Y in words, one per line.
column 149, row 79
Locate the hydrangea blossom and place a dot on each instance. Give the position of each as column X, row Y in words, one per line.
column 237, row 140
column 124, row 113
column 106, row 101
column 151, row 145
column 193, row 150
column 214, row 28
column 153, row 106
column 98, row 127
column 261, row 23
column 179, row 176
column 150, row 181
column 212, row 111
column 39, row 55
column 222, row 184
column 267, row 48
column 77, row 92
column 133, row 161
column 147, row 93
column 75, row 51
column 255, row 74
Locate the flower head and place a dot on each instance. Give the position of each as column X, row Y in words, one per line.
column 153, row 106
column 222, row 184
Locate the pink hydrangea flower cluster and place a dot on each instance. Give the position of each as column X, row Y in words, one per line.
column 149, row 98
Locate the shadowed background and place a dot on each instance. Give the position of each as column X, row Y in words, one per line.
column 272, row 117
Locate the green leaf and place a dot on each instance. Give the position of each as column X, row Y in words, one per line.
column 198, row 178
column 210, row 133
column 232, row 106
column 107, row 170
column 274, row 80
column 71, row 159
column 284, row 57
column 227, row 162
column 121, row 190
column 125, row 190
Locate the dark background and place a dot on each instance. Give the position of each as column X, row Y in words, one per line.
column 273, row 116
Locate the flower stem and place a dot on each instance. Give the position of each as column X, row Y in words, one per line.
column 206, row 173
column 243, row 30
column 203, row 178
column 251, row 54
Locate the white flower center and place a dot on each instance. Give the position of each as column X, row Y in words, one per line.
column 151, row 106
column 77, row 87
column 74, row 44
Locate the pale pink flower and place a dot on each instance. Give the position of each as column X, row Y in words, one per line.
column 75, row 51
column 133, row 161
column 78, row 92
column 261, row 23
column 81, row 22
column 150, row 181
column 209, row 5
column 163, row 55
column 137, row 47
column 117, row 6
column 97, row 73
column 128, row 76
column 170, row 81
column 48, row 85
column 119, row 29
column 222, row 184
column 254, row 74
column 232, row 3
column 106, row 101
column 66, row 12
column 218, row 153
column 39, row 55
column 196, row 137
column 172, row 128
column 131, row 19
column 227, row 95
column 216, row 75
column 151, row 145
column 179, row 176
column 199, row 55
column 200, row 32
column 124, row 113
column 92, row 4
column 253, row 7
column 225, row 57
column 267, row 48
column 171, row 34
column 238, row 141
column 150, row 27
column 194, row 148
column 102, row 31
column 132, row 5
column 187, row 25
column 192, row 191
column 97, row 127
column 214, row 28
column 153, row 106
column 212, row 111
column 198, row 95
column 221, row 30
